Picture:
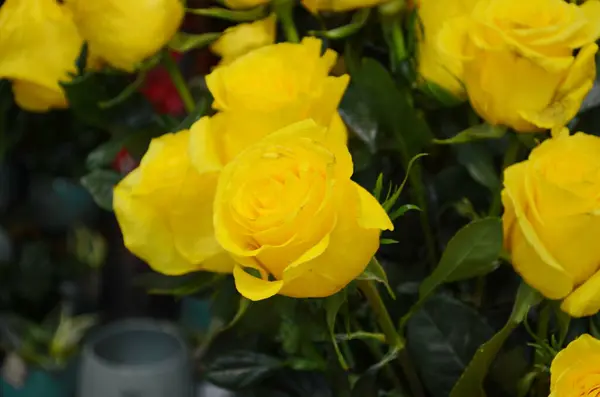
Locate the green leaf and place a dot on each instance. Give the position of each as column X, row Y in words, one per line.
column 387, row 241
column 378, row 187
column 100, row 184
column 479, row 163
column 231, row 15
column 478, row 132
column 471, row 381
column 333, row 305
column 397, row 213
column 473, row 251
column 362, row 336
column 184, row 285
column 563, row 320
column 391, row 198
column 470, row 253
column 439, row 94
column 87, row 92
column 106, row 153
column 441, row 339
column 392, row 108
column 242, row 308
column 359, row 19
column 241, row 369
column 376, row 272
column 366, row 384
column 184, row 42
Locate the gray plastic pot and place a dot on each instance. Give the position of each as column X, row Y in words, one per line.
column 135, row 358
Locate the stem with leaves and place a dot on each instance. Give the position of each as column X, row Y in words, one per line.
column 179, row 82
column 393, row 338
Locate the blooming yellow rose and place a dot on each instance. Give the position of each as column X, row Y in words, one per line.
column 278, row 85
column 315, row 6
column 552, row 220
column 125, row 32
column 243, row 38
column 527, row 64
column 574, row 370
column 39, row 46
column 435, row 65
column 164, row 207
column 286, row 208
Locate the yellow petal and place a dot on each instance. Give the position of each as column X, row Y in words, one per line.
column 219, row 263
column 204, row 149
column 350, row 249
column 165, row 209
column 583, row 350
column 38, row 98
column 371, row 213
column 126, row 32
column 530, row 257
column 503, row 98
column 584, row 300
column 243, row 38
column 146, row 234
column 570, row 94
column 591, row 10
column 254, row 288
column 40, row 44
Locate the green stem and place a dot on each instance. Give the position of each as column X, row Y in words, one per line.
column 398, row 41
column 369, row 288
column 179, row 82
column 283, row 9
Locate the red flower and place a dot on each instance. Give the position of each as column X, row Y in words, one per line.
column 124, row 162
column 161, row 92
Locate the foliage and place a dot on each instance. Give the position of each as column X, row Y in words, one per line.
column 439, row 312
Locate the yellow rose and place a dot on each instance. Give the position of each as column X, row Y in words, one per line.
column 552, row 220
column 277, row 85
column 164, row 207
column 125, row 32
column 527, row 64
column 315, row 6
column 574, row 370
column 40, row 45
column 286, row 208
column 243, row 38
column 436, row 66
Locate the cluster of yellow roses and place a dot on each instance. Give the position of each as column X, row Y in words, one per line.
column 528, row 66
column 262, row 188
column 41, row 41
column 513, row 59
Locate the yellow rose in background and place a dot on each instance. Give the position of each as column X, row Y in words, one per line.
column 520, row 67
column 39, row 46
column 243, row 38
column 435, row 65
column 125, row 32
column 574, row 370
column 552, row 220
column 286, row 209
column 315, row 6
column 274, row 86
column 164, row 207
